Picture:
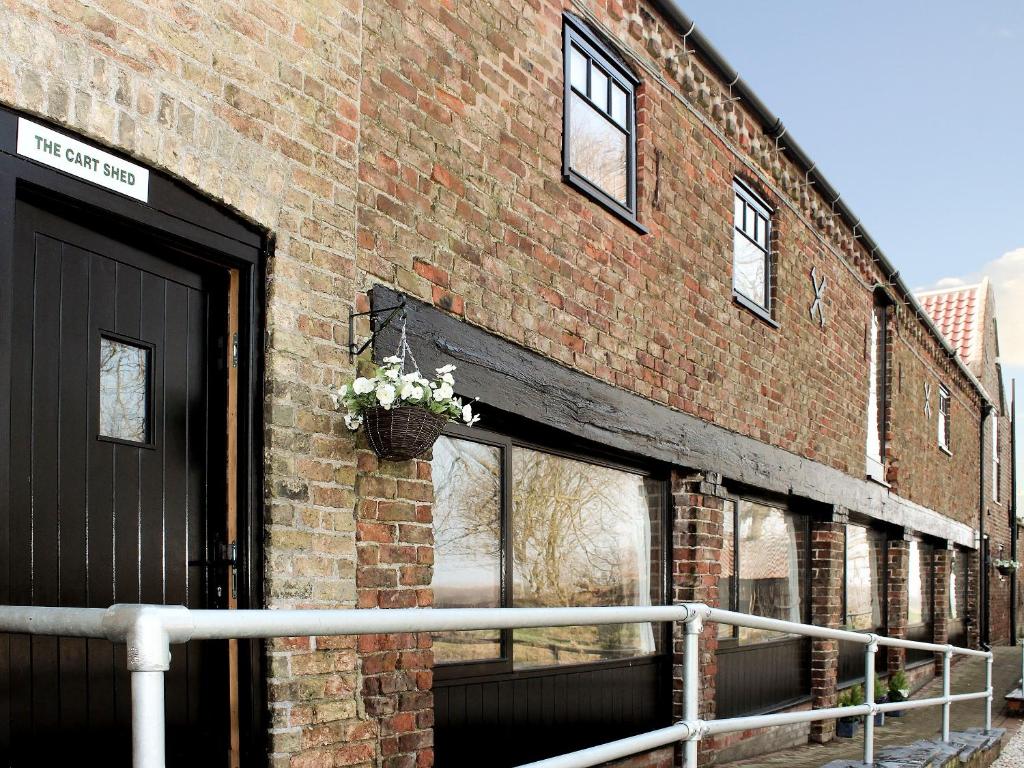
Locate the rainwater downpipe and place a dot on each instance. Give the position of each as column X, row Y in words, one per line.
column 986, row 409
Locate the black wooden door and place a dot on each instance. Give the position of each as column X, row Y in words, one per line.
column 116, row 462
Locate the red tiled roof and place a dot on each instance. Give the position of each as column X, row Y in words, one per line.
column 958, row 312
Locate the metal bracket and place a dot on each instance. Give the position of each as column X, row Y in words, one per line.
column 353, row 350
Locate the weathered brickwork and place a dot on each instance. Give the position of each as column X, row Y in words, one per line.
column 696, row 567
column 419, row 145
column 940, row 597
column 827, row 556
column 898, row 560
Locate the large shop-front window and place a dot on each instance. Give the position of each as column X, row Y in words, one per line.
column 764, row 560
column 958, row 584
column 518, row 526
column 919, row 586
column 865, row 577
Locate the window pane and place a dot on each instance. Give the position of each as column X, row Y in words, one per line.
column 583, row 535
column 748, row 269
column 599, row 88
column 771, row 547
column 619, row 105
column 762, row 232
column 578, row 69
column 124, row 395
column 865, row 563
column 467, row 542
column 919, row 588
column 725, row 596
column 597, row 149
column 738, row 207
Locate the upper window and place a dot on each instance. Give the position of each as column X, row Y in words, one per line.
column 518, row 526
column 877, row 389
column 997, row 478
column 751, row 251
column 764, row 562
column 599, row 125
column 944, row 424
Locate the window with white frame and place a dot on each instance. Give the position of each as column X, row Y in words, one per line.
column 996, row 467
column 944, row 422
column 877, row 394
column 751, row 250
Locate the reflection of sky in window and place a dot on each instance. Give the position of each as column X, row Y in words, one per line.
column 862, row 579
column 467, row 523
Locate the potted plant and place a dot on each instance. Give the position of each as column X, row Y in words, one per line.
column 1005, row 567
column 881, row 697
column 899, row 689
column 846, row 727
column 401, row 413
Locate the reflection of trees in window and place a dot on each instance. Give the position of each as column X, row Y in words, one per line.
column 865, row 564
column 124, row 395
column 751, row 247
column 770, row 582
column 919, row 587
column 467, row 542
column 581, row 535
column 957, row 584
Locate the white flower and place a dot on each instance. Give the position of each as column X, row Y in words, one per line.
column 393, row 360
column 361, row 386
column 445, row 369
column 411, row 391
column 391, row 373
column 448, row 379
column 385, row 395
column 443, row 392
column 468, row 417
column 353, row 421
column 414, row 376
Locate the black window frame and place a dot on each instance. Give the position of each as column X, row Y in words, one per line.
column 545, row 440
column 753, row 200
column 576, row 33
column 945, row 414
column 731, row 642
column 883, row 608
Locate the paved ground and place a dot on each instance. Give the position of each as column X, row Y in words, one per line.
column 1013, row 752
column 968, row 675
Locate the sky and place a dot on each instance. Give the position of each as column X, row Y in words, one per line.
column 914, row 111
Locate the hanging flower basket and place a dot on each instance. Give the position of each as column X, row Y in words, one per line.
column 1005, row 567
column 403, row 432
column 402, row 413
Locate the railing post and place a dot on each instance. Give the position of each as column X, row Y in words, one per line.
column 148, row 719
column 691, row 686
column 869, row 698
column 947, row 657
column 988, row 687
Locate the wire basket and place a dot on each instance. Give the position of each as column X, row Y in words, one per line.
column 402, row 433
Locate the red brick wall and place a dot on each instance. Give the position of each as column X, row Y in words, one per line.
column 828, row 539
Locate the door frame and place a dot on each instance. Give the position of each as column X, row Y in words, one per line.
column 198, row 229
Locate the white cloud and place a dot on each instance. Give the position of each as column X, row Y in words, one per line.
column 1007, row 277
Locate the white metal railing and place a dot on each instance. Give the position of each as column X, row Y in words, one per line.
column 149, row 630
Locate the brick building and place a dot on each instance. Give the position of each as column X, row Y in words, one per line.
column 700, row 379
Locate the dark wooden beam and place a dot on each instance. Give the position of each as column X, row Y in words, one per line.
column 513, row 379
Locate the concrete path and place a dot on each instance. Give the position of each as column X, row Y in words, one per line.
column 968, row 675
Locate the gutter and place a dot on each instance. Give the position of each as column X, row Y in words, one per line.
column 775, row 130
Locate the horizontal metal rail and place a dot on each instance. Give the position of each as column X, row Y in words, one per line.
column 149, row 630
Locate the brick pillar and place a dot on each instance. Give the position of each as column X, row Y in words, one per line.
column 395, row 555
column 973, row 607
column 898, row 559
column 942, row 562
column 828, row 535
column 696, row 566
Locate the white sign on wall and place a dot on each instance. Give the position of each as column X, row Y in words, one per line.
column 37, row 142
